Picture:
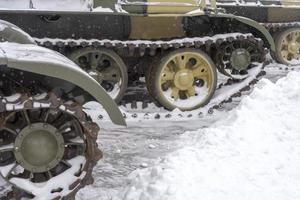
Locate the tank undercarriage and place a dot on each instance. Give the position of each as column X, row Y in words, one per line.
column 238, row 59
column 281, row 18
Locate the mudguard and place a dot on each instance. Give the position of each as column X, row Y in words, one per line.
column 39, row 60
column 11, row 33
column 253, row 24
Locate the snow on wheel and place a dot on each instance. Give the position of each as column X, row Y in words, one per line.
column 46, row 153
column 106, row 67
column 288, row 47
column 184, row 79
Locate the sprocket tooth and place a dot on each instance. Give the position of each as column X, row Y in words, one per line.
column 98, row 154
column 90, row 180
column 92, row 129
column 53, row 99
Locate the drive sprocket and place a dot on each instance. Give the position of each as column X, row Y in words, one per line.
column 48, row 146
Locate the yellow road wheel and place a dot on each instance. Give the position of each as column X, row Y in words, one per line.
column 184, row 79
column 288, row 47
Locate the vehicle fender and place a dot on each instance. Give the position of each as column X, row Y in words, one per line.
column 11, row 33
column 253, row 24
column 39, row 60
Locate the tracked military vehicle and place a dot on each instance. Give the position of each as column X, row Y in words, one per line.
column 281, row 18
column 177, row 46
column 47, row 142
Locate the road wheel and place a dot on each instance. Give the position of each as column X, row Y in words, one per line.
column 184, row 79
column 288, row 47
column 106, row 67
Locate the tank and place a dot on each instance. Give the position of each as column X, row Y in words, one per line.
column 47, row 142
column 281, row 18
column 175, row 48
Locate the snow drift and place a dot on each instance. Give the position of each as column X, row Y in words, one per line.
column 254, row 153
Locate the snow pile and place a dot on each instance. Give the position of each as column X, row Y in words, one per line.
column 252, row 154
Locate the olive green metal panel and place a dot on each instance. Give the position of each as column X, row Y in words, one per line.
column 160, row 6
column 150, row 28
column 49, row 63
column 11, row 33
column 285, row 14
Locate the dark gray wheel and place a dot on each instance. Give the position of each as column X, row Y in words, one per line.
column 106, row 67
column 184, row 79
column 234, row 59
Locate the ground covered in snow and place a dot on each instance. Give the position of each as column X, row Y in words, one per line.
column 253, row 153
column 250, row 151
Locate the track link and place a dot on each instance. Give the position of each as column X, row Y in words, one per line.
column 274, row 27
column 142, row 47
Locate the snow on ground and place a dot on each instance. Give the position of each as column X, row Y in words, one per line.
column 253, row 153
column 128, row 150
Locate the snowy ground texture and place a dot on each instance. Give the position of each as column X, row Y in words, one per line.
column 254, row 153
column 251, row 151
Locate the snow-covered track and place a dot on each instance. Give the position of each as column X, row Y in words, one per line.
column 135, row 108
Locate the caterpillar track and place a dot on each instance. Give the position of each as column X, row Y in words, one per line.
column 47, row 105
column 137, row 104
column 147, row 47
column 274, row 27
